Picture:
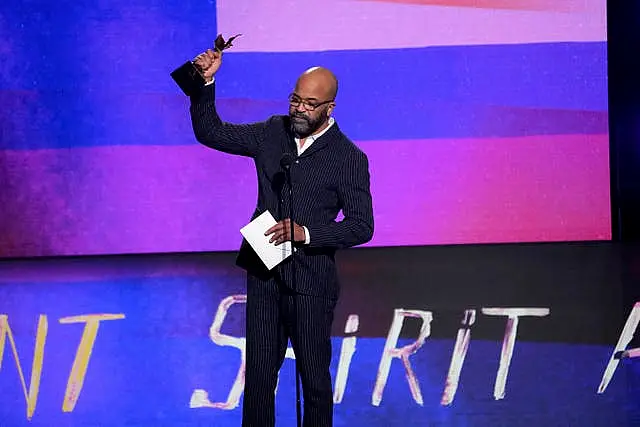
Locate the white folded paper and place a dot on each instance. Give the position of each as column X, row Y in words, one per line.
column 270, row 253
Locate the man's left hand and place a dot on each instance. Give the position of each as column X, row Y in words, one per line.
column 282, row 232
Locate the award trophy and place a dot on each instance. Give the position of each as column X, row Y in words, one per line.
column 189, row 77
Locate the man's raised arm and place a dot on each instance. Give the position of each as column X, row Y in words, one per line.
column 209, row 129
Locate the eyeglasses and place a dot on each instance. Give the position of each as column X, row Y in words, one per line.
column 295, row 101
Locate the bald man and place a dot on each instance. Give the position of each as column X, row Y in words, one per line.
column 329, row 174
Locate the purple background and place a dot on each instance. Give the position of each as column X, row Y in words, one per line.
column 503, row 139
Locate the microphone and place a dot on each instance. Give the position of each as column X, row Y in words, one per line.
column 286, row 161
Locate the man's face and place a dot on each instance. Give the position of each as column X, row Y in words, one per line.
column 309, row 107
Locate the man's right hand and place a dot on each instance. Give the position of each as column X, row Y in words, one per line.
column 209, row 62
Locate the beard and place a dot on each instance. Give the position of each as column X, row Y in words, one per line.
column 303, row 126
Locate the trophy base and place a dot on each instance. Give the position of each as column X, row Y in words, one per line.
column 188, row 78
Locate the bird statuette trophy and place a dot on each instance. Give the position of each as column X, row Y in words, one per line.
column 189, row 77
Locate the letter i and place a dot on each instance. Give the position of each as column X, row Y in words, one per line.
column 346, row 353
column 457, row 359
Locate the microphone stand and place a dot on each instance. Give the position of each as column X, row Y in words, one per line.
column 295, row 290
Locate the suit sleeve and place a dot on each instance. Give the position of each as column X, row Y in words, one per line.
column 355, row 197
column 210, row 130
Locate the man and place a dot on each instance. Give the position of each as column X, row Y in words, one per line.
column 329, row 174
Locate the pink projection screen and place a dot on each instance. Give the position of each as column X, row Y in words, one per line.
column 484, row 121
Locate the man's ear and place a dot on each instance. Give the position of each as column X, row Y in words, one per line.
column 330, row 110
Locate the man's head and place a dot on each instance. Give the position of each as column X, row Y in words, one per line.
column 312, row 101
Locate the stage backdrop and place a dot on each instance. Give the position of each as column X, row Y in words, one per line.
column 484, row 121
column 461, row 336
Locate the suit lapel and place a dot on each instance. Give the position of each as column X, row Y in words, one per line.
column 321, row 142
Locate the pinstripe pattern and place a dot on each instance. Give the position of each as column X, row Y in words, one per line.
column 270, row 315
column 331, row 175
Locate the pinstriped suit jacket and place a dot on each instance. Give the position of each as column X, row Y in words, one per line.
column 331, row 175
